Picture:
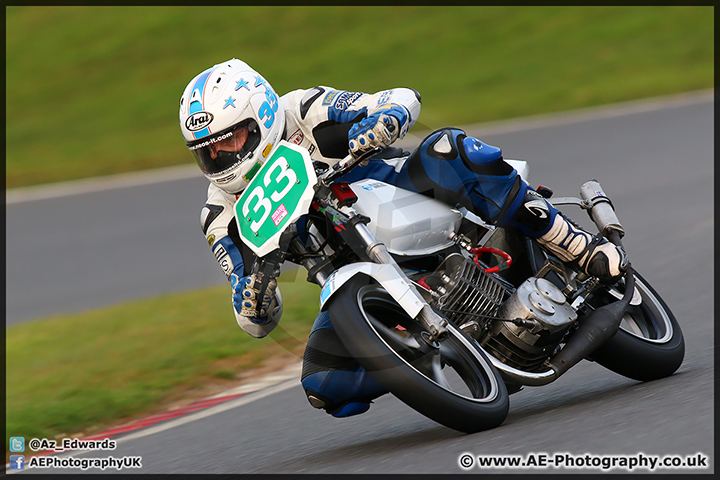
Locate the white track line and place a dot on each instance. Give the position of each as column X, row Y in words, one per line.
column 182, row 172
column 222, row 407
column 265, row 386
column 101, row 184
column 148, row 177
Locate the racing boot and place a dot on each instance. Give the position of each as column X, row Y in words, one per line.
column 536, row 218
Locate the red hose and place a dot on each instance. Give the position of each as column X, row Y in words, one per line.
column 478, row 250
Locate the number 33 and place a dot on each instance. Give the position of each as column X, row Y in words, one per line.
column 257, row 196
column 268, row 108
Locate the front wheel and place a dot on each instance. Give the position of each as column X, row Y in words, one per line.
column 649, row 343
column 450, row 381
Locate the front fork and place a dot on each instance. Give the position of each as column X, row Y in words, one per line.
column 378, row 253
column 355, row 233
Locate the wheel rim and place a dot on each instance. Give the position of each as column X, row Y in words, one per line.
column 452, row 364
column 647, row 320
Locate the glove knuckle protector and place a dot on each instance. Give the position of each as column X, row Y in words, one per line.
column 378, row 130
column 245, row 303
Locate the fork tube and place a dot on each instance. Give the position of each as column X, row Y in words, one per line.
column 378, row 252
column 375, row 249
column 308, row 263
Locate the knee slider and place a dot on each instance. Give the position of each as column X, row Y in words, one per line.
column 330, row 376
column 316, row 399
column 340, row 410
column 348, row 401
column 344, row 409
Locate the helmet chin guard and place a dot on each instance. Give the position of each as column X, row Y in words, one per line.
column 218, row 107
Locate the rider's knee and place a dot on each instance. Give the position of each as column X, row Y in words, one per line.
column 341, row 393
column 332, row 379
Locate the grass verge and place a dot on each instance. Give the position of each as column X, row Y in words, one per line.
column 97, row 93
column 75, row 375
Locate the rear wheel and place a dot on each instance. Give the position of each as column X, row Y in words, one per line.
column 450, row 381
column 649, row 343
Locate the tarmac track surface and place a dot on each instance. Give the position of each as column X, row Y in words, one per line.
column 654, row 159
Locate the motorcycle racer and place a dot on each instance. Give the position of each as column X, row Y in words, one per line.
column 231, row 120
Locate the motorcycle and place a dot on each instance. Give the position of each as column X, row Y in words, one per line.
column 449, row 313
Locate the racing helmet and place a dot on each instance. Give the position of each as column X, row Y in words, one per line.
column 231, row 120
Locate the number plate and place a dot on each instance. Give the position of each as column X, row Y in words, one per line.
column 279, row 194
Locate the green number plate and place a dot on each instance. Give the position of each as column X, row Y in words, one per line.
column 279, row 194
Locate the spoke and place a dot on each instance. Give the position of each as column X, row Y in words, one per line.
column 631, row 325
column 436, row 372
column 471, row 373
column 448, row 363
column 398, row 341
column 450, row 354
column 432, row 367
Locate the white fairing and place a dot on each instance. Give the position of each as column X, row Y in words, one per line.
column 406, row 222
column 386, row 275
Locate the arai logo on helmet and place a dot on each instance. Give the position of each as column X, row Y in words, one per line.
column 198, row 121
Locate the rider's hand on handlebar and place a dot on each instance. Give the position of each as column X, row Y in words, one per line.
column 245, row 301
column 378, row 130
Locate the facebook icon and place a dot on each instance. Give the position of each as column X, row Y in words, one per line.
column 17, row 462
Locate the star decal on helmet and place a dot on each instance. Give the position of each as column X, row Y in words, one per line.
column 229, row 102
column 232, row 87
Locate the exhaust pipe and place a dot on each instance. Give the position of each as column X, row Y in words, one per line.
column 596, row 328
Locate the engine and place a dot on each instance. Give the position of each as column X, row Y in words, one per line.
column 471, row 298
column 463, row 292
column 526, row 348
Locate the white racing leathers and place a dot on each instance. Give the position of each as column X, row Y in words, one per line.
column 317, row 119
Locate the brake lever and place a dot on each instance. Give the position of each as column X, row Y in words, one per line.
column 345, row 165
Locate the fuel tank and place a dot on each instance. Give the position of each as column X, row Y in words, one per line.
column 406, row 222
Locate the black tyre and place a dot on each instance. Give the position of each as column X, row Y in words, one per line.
column 451, row 381
column 649, row 343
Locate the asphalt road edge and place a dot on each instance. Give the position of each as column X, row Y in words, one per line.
column 180, row 172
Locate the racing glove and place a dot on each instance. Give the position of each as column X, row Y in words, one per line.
column 377, row 130
column 245, row 293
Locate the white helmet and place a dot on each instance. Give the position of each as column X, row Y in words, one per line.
column 231, row 120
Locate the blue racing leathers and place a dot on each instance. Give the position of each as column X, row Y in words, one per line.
column 451, row 167
column 447, row 165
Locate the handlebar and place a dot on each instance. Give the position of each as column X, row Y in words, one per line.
column 344, row 166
